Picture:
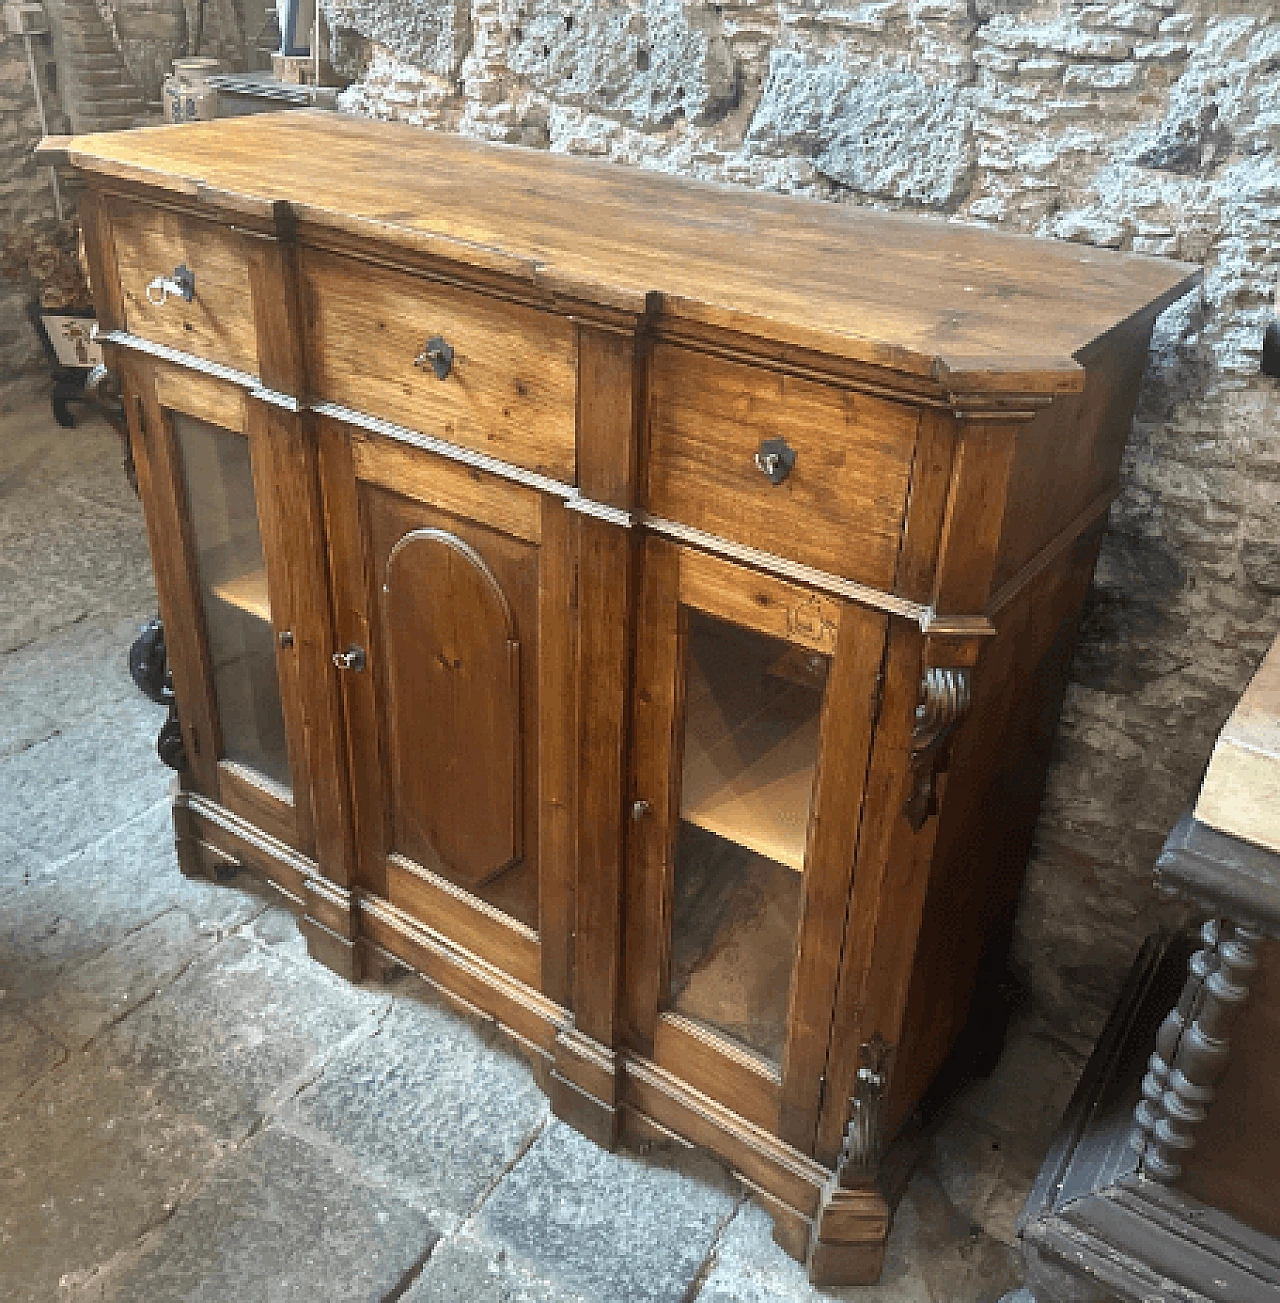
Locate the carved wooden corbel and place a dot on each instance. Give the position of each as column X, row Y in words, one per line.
column 863, row 1144
column 944, row 702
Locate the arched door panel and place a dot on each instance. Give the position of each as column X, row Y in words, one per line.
column 453, row 683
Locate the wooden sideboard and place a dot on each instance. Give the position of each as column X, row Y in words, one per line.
column 642, row 606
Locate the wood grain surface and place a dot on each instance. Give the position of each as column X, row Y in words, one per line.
column 453, row 665
column 218, row 323
column 511, row 391
column 921, row 295
column 839, row 510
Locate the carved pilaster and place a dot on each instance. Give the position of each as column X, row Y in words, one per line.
column 944, row 702
column 1192, row 1048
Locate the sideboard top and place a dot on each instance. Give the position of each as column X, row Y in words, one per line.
column 969, row 307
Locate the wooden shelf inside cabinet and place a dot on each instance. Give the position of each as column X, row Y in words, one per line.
column 247, row 592
column 749, row 781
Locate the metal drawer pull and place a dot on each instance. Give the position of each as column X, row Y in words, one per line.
column 775, row 458
column 351, row 659
column 182, row 284
column 438, row 355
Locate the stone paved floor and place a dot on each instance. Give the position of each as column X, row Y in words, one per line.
column 190, row 1108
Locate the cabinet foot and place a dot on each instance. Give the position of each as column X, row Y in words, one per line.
column 592, row 1117
column 333, row 951
column 849, row 1234
column 198, row 859
column 584, row 1087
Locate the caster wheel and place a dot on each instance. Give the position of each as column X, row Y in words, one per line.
column 169, row 744
column 148, row 665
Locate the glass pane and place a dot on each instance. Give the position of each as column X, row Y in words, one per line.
column 233, row 588
column 752, row 711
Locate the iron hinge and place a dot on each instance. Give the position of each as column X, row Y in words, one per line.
column 195, row 740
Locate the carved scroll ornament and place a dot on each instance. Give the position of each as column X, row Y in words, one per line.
column 863, row 1144
column 944, row 702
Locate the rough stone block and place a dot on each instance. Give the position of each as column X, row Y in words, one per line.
column 32, row 608
column 1102, row 76
column 101, row 991
column 61, row 794
column 28, row 1053
column 884, row 133
column 58, row 681
column 429, row 1103
column 89, row 1160
column 1166, row 51
column 277, row 1219
column 934, row 1252
column 19, row 865
column 240, row 1032
column 656, row 63
column 588, row 1224
column 468, row 1267
column 1040, row 69
column 436, row 36
column 62, row 914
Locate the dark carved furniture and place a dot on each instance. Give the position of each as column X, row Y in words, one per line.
column 641, row 606
column 1164, row 1183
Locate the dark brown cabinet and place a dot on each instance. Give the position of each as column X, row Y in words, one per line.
column 641, row 607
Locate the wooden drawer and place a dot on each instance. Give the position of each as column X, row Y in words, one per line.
column 218, row 323
column 839, row 510
column 511, row 388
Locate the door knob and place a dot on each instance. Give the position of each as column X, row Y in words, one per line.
column 639, row 810
column 438, row 355
column 775, row 459
column 351, row 659
column 182, row 285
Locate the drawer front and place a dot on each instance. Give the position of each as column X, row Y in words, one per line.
column 217, row 324
column 841, row 507
column 510, row 385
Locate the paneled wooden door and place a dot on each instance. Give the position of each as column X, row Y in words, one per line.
column 754, row 710
column 213, row 478
column 454, row 608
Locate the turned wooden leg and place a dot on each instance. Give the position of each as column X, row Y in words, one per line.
column 1150, row 1109
column 1192, row 1048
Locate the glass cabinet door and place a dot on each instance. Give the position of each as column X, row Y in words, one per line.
column 232, row 575
column 749, row 756
column 216, row 486
column 751, row 737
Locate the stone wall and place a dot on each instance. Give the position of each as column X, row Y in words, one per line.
column 1149, row 125
column 25, row 194
column 101, row 69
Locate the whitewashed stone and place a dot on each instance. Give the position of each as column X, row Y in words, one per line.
column 1102, row 76
column 889, row 134
column 435, row 36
